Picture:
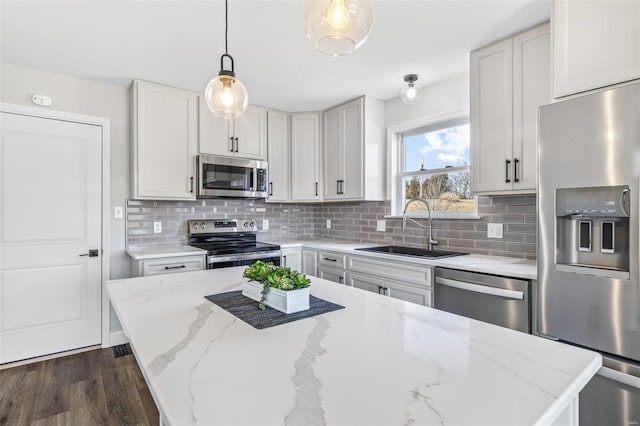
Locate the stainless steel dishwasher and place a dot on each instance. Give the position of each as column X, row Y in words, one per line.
column 489, row 298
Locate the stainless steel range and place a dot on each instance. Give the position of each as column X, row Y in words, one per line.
column 231, row 242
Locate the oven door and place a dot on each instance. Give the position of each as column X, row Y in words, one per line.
column 216, row 262
column 231, row 177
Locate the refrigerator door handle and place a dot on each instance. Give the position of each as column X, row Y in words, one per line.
column 484, row 289
column 620, row 377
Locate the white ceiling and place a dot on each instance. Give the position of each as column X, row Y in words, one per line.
column 179, row 43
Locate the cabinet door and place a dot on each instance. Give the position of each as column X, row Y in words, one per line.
column 531, row 89
column 366, row 282
column 595, row 44
column 332, row 274
column 278, row 147
column 333, row 152
column 491, row 118
column 408, row 293
column 250, row 133
column 165, row 142
column 353, row 151
column 292, row 258
column 309, row 262
column 215, row 133
column 305, row 157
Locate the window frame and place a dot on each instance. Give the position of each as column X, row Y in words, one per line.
column 397, row 164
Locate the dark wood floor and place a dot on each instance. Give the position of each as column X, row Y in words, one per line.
column 89, row 388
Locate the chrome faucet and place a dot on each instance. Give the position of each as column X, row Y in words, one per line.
column 431, row 241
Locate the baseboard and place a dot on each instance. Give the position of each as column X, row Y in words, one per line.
column 117, row 338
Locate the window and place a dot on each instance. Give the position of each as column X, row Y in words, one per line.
column 434, row 166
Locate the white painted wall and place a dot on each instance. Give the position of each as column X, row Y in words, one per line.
column 447, row 95
column 18, row 84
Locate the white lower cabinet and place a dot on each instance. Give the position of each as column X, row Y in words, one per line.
column 167, row 265
column 405, row 281
column 332, row 274
column 292, row 258
column 309, row 262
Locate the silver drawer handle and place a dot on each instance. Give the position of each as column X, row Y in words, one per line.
column 330, row 260
column 509, row 294
column 175, row 267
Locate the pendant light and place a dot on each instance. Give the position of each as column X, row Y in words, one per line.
column 225, row 95
column 411, row 93
column 338, row 27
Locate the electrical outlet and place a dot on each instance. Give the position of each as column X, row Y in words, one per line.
column 117, row 212
column 328, row 223
column 265, row 224
column 204, row 203
column 381, row 226
column 260, row 210
column 494, row 230
column 157, row 227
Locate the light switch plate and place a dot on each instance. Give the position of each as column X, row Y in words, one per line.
column 260, row 210
column 381, row 226
column 328, row 223
column 494, row 230
column 157, row 227
column 117, row 212
column 265, row 224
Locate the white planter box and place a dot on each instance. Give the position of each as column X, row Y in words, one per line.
column 284, row 301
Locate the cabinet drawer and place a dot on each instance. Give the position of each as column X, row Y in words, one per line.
column 399, row 271
column 173, row 265
column 334, row 260
column 332, row 274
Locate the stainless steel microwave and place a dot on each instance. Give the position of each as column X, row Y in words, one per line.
column 231, row 177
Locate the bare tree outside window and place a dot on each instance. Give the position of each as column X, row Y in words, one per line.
column 437, row 169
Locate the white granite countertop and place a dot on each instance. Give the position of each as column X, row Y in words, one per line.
column 158, row 253
column 379, row 361
column 497, row 265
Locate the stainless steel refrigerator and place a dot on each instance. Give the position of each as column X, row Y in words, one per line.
column 588, row 232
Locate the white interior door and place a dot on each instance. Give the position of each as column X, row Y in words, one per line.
column 50, row 215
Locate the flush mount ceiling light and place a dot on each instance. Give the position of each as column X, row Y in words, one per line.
column 225, row 95
column 338, row 27
column 411, row 93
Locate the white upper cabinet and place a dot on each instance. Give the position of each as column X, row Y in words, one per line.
column 305, row 157
column 354, row 150
column 244, row 137
column 595, row 44
column 509, row 81
column 278, row 147
column 164, row 142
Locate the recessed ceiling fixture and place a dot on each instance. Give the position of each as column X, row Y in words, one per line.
column 338, row 27
column 225, row 95
column 411, row 93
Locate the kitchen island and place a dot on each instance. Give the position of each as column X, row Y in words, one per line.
column 378, row 361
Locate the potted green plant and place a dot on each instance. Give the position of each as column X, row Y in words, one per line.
column 278, row 287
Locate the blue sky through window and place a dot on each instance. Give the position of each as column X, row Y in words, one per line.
column 438, row 149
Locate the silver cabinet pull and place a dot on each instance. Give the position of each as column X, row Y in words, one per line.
column 330, row 259
column 476, row 288
column 231, row 144
column 237, row 144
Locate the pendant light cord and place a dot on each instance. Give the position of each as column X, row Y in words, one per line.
column 226, row 27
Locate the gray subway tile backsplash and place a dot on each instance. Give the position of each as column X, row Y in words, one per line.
column 354, row 221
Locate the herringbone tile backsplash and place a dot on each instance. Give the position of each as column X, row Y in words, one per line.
column 351, row 221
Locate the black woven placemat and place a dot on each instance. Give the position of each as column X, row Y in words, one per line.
column 247, row 310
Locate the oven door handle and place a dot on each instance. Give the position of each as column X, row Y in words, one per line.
column 236, row 257
column 484, row 289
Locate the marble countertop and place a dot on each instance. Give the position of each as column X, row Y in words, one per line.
column 497, row 265
column 158, row 253
column 379, row 361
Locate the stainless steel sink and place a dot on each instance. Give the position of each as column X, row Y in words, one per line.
column 413, row 251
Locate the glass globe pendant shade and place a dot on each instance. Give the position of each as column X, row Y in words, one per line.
column 226, row 96
column 411, row 92
column 338, row 27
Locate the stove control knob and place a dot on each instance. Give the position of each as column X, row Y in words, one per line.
column 195, row 226
column 246, row 224
column 203, row 226
column 252, row 224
